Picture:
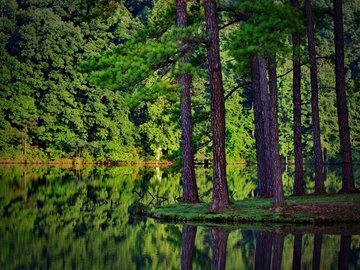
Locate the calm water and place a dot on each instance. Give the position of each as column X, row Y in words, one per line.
column 83, row 218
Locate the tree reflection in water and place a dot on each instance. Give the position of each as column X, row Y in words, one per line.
column 267, row 251
column 317, row 251
column 219, row 238
column 344, row 253
column 264, row 241
column 188, row 246
column 87, row 218
column 296, row 265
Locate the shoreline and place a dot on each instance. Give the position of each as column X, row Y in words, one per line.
column 305, row 210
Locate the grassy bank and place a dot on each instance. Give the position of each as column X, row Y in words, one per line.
column 330, row 209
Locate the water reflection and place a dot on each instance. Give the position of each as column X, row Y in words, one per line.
column 344, row 253
column 270, row 250
column 296, row 264
column 86, row 218
column 219, row 238
column 188, row 246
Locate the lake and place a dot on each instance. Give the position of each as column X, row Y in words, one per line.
column 55, row 217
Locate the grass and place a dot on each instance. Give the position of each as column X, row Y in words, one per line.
column 329, row 209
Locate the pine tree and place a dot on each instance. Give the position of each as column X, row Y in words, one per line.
column 190, row 192
column 276, row 177
column 299, row 168
column 259, row 127
column 319, row 178
column 348, row 184
column 220, row 197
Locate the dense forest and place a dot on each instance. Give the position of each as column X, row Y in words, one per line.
column 97, row 80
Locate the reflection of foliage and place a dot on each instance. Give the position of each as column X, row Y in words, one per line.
column 79, row 217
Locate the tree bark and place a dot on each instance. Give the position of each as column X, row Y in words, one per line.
column 297, row 252
column 299, row 167
column 319, row 179
column 190, row 191
column 348, row 184
column 259, row 126
column 188, row 246
column 219, row 237
column 264, row 94
column 220, row 198
column 276, row 177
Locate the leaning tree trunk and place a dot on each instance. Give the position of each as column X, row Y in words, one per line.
column 220, row 197
column 265, row 103
column 190, row 191
column 259, row 127
column 348, row 184
column 299, row 167
column 319, row 179
column 279, row 200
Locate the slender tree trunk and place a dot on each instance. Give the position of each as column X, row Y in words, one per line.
column 279, row 200
column 219, row 237
column 344, row 253
column 319, row 179
column 299, row 167
column 348, row 184
column 190, row 191
column 264, row 94
column 317, row 251
column 297, row 252
column 188, row 246
column 259, row 128
column 278, row 251
column 220, row 197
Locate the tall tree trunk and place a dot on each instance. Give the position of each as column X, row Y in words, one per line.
column 319, row 179
column 190, row 191
column 278, row 251
column 297, row 252
column 299, row 167
column 279, row 200
column 265, row 102
column 348, row 184
column 219, row 237
column 188, row 246
column 220, row 196
column 344, row 253
column 317, row 251
column 259, row 126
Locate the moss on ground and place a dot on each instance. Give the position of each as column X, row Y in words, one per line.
column 329, row 209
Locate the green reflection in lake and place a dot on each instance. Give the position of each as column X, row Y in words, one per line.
column 83, row 218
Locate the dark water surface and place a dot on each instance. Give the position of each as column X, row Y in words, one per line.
column 84, row 218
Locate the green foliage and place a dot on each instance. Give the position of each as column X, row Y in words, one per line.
column 97, row 81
